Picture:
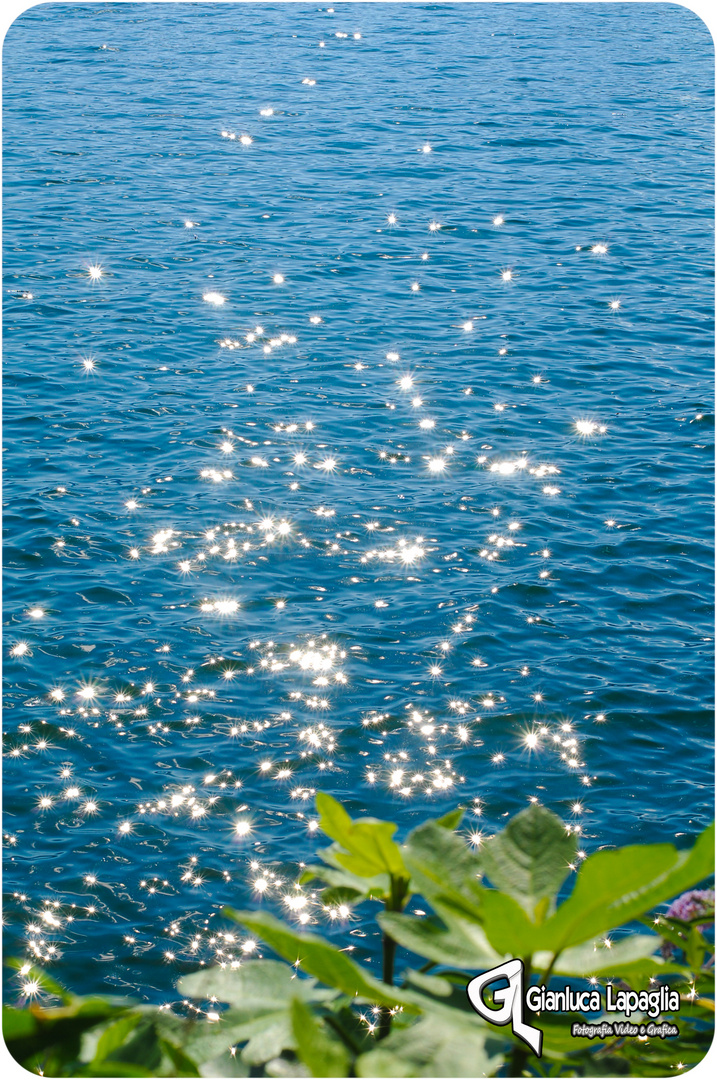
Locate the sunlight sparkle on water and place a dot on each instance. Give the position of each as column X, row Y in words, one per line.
column 589, row 427
column 296, row 575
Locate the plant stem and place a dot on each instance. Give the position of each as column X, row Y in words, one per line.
column 394, row 902
column 389, row 956
column 549, row 969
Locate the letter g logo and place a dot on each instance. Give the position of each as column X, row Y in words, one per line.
column 510, row 999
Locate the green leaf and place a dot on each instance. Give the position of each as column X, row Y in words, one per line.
column 506, row 925
column 529, row 860
column 282, row 1067
column 368, row 845
column 270, row 1041
column 320, row 959
column 114, row 1036
column 695, row 949
column 17, row 1023
column 339, row 895
column 614, row 887
column 207, row 1041
column 429, row 984
column 261, row 993
column 461, row 942
column 541, row 910
column 141, row 1047
column 442, row 866
column 224, row 1065
column 440, row 1044
column 183, row 1064
column 629, row 955
column 323, row 1055
column 336, row 876
column 257, row 987
column 451, row 820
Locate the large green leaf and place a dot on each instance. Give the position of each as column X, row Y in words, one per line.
column 265, row 1035
column 322, row 1054
column 529, row 859
column 318, row 958
column 337, row 877
column 630, row 955
column 261, row 994
column 440, row 1044
column 506, row 925
column 442, row 865
column 114, row 1035
column 368, row 845
column 614, row 887
column 256, row 987
column 460, row 942
column 271, row 1041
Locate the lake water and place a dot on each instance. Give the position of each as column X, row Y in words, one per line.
column 364, row 445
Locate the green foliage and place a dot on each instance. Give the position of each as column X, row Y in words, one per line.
column 322, row 1053
column 530, row 859
column 366, row 846
column 448, row 1043
column 318, row 958
column 617, row 886
column 316, row 1012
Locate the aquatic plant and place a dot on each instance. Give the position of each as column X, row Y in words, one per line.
column 316, row 1012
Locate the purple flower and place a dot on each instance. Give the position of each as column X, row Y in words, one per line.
column 691, row 904
column 687, row 907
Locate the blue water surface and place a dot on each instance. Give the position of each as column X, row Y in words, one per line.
column 426, row 520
